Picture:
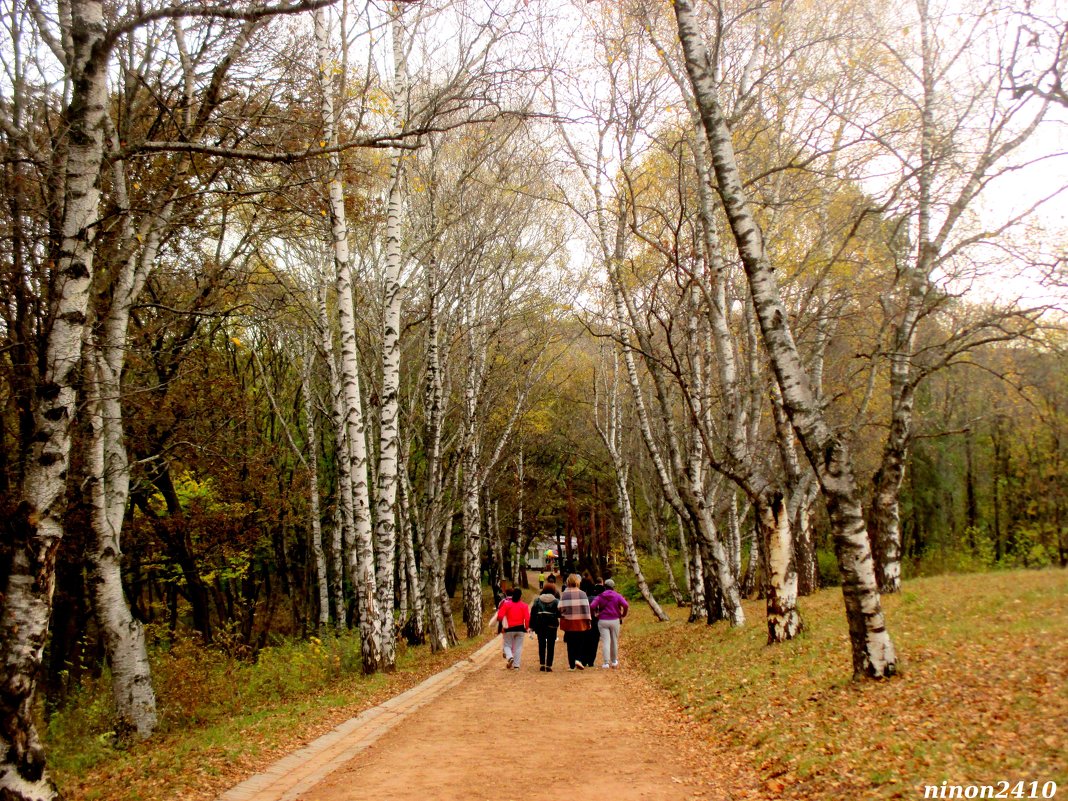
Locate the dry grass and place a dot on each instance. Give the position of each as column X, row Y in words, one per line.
column 982, row 695
column 224, row 720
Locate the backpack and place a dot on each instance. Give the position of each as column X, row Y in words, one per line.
column 546, row 616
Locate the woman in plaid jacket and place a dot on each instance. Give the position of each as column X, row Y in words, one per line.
column 575, row 620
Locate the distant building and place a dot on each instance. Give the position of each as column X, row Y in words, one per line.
column 535, row 556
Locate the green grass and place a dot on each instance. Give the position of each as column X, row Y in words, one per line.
column 982, row 695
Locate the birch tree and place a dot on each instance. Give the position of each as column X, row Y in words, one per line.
column 82, row 45
column 634, row 91
column 873, row 652
column 609, row 424
column 967, row 134
column 361, row 561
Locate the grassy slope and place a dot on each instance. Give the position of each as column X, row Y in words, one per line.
column 982, row 695
column 224, row 720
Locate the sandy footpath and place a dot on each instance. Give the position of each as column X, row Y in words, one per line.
column 503, row 734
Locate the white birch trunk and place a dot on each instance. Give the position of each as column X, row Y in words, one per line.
column 610, row 433
column 343, row 518
column 433, row 551
column 415, row 592
column 389, row 419
column 471, row 485
column 37, row 527
column 734, row 536
column 517, row 561
column 389, row 412
column 784, row 622
column 361, row 559
column 873, row 652
column 131, row 685
column 124, row 640
column 313, row 494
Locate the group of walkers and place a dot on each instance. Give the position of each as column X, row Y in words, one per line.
column 589, row 612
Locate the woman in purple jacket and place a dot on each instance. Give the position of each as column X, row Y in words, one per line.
column 610, row 608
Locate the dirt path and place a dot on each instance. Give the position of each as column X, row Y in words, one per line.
column 504, row 734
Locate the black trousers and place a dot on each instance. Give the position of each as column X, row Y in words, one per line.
column 546, row 646
column 576, row 647
column 591, row 639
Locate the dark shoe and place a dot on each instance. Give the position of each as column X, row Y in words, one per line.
column 548, row 670
column 543, row 668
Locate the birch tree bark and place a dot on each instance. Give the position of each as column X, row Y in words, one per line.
column 361, row 559
column 385, row 498
column 610, row 431
column 37, row 527
column 873, row 651
column 314, row 515
column 964, row 138
column 135, row 699
column 343, row 535
column 434, row 548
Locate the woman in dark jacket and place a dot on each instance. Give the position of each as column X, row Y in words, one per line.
column 545, row 620
column 592, row 638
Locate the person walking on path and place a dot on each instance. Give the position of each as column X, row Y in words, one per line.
column 505, row 651
column 516, row 621
column 545, row 620
column 575, row 620
column 610, row 608
column 592, row 637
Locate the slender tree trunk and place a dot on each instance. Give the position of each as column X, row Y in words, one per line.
column 434, row 551
column 884, row 517
column 610, row 432
column 734, row 536
column 800, row 505
column 472, row 556
column 343, row 515
column 386, row 516
column 389, row 422
column 135, row 700
column 362, row 554
column 415, row 624
column 124, row 639
column 520, row 542
column 37, row 526
column 698, row 598
column 873, row 651
column 313, row 496
column 752, row 568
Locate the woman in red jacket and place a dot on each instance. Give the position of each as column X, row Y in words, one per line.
column 516, row 621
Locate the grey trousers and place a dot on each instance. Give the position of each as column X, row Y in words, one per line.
column 609, row 640
column 513, row 645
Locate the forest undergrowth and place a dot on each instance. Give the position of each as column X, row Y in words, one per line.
column 982, row 696
column 223, row 718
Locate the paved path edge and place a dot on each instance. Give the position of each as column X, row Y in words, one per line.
column 290, row 776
